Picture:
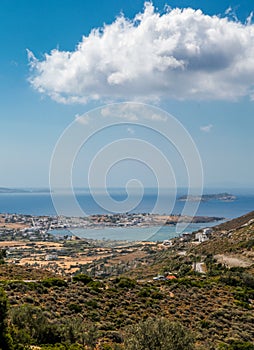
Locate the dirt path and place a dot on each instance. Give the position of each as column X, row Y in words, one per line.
column 233, row 261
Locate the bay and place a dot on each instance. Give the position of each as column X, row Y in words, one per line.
column 41, row 204
column 152, row 233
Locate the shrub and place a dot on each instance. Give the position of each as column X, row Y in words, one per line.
column 5, row 338
column 144, row 292
column 82, row 278
column 75, row 307
column 2, row 256
column 237, row 345
column 184, row 270
column 31, row 324
column 92, row 303
column 231, row 279
column 125, row 282
column 158, row 334
column 54, row 282
column 95, row 285
column 248, row 280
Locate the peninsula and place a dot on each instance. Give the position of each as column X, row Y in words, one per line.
column 23, row 224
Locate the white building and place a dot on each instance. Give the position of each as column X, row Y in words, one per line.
column 201, row 237
column 207, row 230
column 51, row 257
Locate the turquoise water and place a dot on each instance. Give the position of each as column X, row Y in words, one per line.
column 154, row 233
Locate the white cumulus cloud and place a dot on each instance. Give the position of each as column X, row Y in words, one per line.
column 133, row 112
column 206, row 128
column 180, row 54
column 82, row 119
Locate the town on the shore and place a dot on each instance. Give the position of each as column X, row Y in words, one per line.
column 28, row 240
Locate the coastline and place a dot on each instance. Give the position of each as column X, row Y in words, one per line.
column 101, row 221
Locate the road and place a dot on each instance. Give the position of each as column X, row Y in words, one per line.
column 200, row 267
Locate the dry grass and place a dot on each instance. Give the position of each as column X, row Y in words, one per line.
column 128, row 257
column 23, row 244
column 14, row 225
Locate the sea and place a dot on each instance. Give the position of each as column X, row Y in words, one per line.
column 41, row 203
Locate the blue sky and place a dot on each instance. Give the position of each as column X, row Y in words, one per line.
column 220, row 121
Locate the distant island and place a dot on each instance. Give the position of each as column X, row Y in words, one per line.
column 208, row 197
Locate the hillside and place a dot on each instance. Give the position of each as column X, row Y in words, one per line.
column 232, row 242
column 235, row 223
column 215, row 304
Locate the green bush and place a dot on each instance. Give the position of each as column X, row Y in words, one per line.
column 6, row 342
column 30, row 324
column 160, row 334
column 75, row 307
column 82, row 278
column 125, row 282
column 237, row 345
column 54, row 282
column 95, row 285
column 2, row 256
column 145, row 292
column 231, row 279
column 184, row 270
column 92, row 303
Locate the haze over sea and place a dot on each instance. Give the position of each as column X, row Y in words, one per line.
column 41, row 204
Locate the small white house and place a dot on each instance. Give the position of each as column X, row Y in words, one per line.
column 201, row 237
column 51, row 257
column 207, row 230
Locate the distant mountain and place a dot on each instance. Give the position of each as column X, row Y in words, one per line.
column 208, row 197
column 12, row 190
column 23, row 190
